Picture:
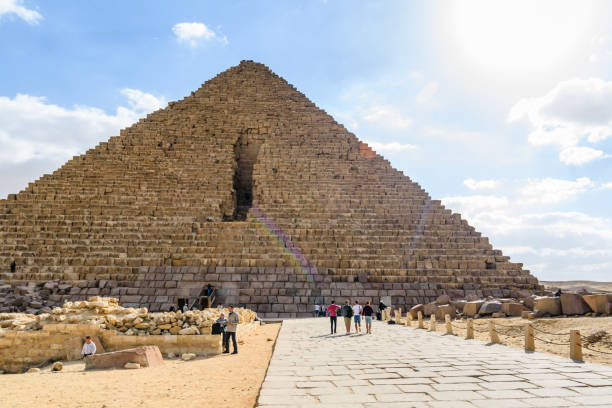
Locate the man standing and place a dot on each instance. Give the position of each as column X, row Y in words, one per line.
column 89, row 348
column 347, row 312
column 332, row 312
column 316, row 311
column 232, row 326
column 367, row 315
column 357, row 316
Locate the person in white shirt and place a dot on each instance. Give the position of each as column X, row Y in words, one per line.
column 357, row 316
column 316, row 311
column 89, row 348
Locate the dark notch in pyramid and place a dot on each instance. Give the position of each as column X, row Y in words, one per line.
column 246, row 185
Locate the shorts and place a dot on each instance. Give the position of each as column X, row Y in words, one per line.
column 357, row 318
column 368, row 319
column 347, row 320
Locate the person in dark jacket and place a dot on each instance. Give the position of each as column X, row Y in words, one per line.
column 347, row 312
column 367, row 315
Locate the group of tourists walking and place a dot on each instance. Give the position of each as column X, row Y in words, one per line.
column 351, row 314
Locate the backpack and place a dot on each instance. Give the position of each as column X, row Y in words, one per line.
column 347, row 311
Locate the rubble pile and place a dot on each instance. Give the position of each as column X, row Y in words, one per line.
column 32, row 297
column 108, row 315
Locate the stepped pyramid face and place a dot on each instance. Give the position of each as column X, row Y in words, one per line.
column 246, row 185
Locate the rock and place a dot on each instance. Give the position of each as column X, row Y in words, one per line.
column 513, row 309
column 414, row 310
column 547, row 305
column 498, row 315
column 430, row 309
column 187, row 356
column 57, row 366
column 175, row 329
column 171, row 355
column 529, row 302
column 443, row 300
column 458, row 305
column 164, row 326
column 489, row 307
column 472, row 308
column 33, row 370
column 146, row 356
column 131, row 366
column 472, row 298
column 531, row 315
column 597, row 303
column 609, row 308
column 189, row 330
column 525, row 314
column 444, row 310
column 573, row 304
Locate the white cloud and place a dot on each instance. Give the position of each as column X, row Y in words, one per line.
column 393, row 147
column 579, row 155
column 10, row 7
column 427, row 93
column 480, row 184
column 607, row 186
column 387, row 116
column 193, row 33
column 572, row 111
column 32, row 128
column 551, row 191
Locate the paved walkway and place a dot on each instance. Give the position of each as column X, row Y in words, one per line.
column 400, row 366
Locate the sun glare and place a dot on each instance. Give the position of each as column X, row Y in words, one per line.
column 514, row 39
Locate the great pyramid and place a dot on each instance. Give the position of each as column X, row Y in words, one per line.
column 247, row 185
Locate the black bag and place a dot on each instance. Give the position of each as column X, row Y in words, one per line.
column 378, row 316
column 216, row 328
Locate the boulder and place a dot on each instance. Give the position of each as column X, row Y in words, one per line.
column 490, row 307
column 547, row 305
column 444, row 310
column 414, row 310
column 146, row 356
column 472, row 308
column 498, row 315
column 458, row 305
column 529, row 302
column 57, row 366
column 188, row 356
column 597, row 302
column 573, row 304
column 33, row 370
column 189, row 330
column 525, row 314
column 443, row 300
column 430, row 309
column 131, row 366
column 513, row 309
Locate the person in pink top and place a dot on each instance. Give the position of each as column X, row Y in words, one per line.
column 332, row 312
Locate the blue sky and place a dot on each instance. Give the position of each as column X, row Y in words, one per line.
column 501, row 109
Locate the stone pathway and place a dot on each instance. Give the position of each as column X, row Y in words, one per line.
column 401, row 366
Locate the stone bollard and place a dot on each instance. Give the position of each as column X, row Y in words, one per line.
column 575, row 345
column 449, row 325
column 408, row 321
column 470, row 329
column 493, row 333
column 529, row 338
column 432, row 323
column 420, row 319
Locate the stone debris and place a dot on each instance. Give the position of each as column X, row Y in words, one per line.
column 131, row 365
column 187, row 356
column 57, row 366
column 108, row 315
column 143, row 356
column 33, row 370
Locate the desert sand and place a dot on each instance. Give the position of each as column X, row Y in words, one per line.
column 220, row 381
column 511, row 333
column 578, row 285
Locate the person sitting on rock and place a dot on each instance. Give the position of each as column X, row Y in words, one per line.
column 559, row 293
column 89, row 348
column 232, row 326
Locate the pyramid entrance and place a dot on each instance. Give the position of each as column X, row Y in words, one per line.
column 246, row 151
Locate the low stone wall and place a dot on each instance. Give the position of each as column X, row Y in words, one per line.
column 22, row 349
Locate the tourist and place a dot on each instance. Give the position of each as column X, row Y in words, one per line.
column 323, row 314
column 558, row 293
column 381, row 309
column 13, row 267
column 186, row 306
column 347, row 312
column 89, row 348
column 172, row 309
column 232, row 326
column 222, row 321
column 332, row 312
column 209, row 290
column 357, row 316
column 316, row 311
column 367, row 315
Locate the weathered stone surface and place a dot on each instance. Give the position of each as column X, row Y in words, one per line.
column 443, row 300
column 547, row 305
column 513, row 309
column 146, row 356
column 489, row 307
column 33, row 370
column 497, row 315
column 597, row 303
column 444, row 310
column 472, row 308
column 57, row 366
column 187, row 356
column 430, row 309
column 415, row 310
column 131, row 366
column 573, row 304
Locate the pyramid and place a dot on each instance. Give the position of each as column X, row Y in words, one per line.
column 246, row 185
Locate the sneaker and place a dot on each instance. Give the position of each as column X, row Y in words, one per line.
column 234, row 352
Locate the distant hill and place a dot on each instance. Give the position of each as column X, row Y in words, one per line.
column 578, row 285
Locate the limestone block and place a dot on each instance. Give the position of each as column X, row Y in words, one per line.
column 513, row 309
column 490, row 307
column 472, row 308
column 444, row 310
column 597, row 303
column 443, row 300
column 497, row 315
column 131, row 366
column 146, row 356
column 573, row 304
column 430, row 309
column 548, row 305
column 188, row 356
column 414, row 310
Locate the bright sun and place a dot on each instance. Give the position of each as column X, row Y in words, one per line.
column 514, row 39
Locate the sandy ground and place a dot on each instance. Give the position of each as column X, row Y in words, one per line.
column 514, row 335
column 221, row 381
column 578, row 285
